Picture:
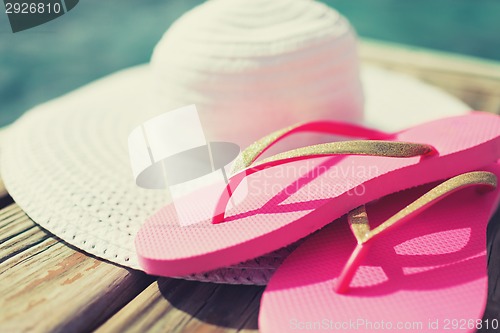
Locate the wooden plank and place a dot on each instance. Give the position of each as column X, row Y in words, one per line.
column 49, row 286
column 172, row 305
column 17, row 232
column 474, row 81
column 433, row 61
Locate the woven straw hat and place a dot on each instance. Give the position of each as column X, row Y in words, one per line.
column 250, row 66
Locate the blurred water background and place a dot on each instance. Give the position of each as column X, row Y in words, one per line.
column 99, row 37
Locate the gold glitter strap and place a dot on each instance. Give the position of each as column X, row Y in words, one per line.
column 376, row 146
column 244, row 164
column 357, row 147
column 358, row 216
column 360, row 226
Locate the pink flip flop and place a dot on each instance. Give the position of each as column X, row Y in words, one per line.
column 422, row 270
column 293, row 194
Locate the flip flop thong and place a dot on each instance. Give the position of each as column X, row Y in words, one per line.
column 290, row 195
column 422, row 270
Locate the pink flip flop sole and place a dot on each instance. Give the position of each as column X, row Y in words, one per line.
column 288, row 202
column 428, row 275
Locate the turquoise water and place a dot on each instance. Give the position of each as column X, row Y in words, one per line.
column 99, row 37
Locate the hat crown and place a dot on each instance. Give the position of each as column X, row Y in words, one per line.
column 256, row 27
column 241, row 60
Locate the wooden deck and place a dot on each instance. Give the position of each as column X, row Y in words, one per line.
column 48, row 286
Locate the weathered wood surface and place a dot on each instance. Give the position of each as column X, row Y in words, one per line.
column 48, row 286
column 171, row 305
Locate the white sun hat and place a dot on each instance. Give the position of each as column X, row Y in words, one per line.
column 250, row 66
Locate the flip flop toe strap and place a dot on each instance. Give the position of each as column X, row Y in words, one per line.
column 251, row 153
column 246, row 164
column 360, row 227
